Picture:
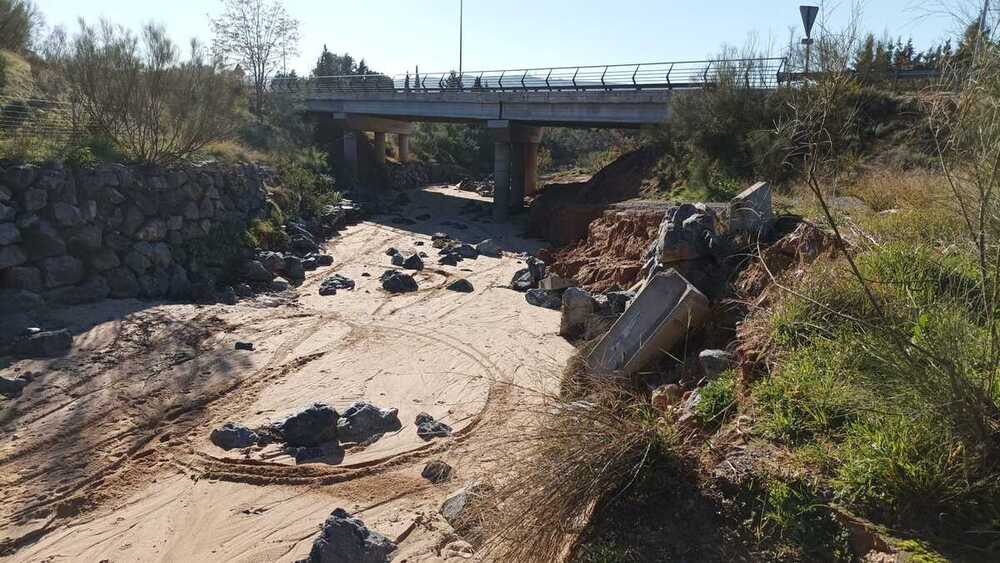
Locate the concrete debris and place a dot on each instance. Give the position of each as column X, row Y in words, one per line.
column 428, row 428
column 577, row 307
column 751, row 211
column 364, row 423
column 233, row 436
column 436, row 471
column 311, row 427
column 555, row 283
column 347, row 540
column 663, row 313
column 395, row 281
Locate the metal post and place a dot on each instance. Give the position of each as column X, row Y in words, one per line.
column 461, row 26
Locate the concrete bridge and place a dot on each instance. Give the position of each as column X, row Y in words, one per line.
column 515, row 105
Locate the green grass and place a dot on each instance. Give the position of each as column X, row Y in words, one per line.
column 717, row 401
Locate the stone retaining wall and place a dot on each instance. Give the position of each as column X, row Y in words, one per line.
column 72, row 235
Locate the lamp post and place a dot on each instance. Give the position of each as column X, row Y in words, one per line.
column 461, row 26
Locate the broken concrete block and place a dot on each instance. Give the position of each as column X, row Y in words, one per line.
column 554, row 282
column 751, row 211
column 686, row 233
column 577, row 307
column 661, row 315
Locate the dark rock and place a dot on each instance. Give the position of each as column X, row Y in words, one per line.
column 9, row 234
column 544, row 298
column 395, row 281
column 123, row 283
column 397, row 259
column 273, row 261
column 279, row 285
column 488, row 248
column 457, row 508
column 11, row 256
column 402, row 221
column 462, row 286
column 522, row 280
column 7, row 213
column 311, row 427
column 43, row 241
column 293, row 269
column 11, row 388
column 618, row 301
column 66, row 215
column 233, row 436
column 412, row 261
column 23, row 277
column 428, row 428
column 577, row 307
column 391, row 251
column 364, row 421
column 305, row 455
column 243, row 290
column 348, row 540
column 19, row 300
column 309, row 264
column 34, row 200
column 324, row 260
column 467, row 251
column 154, row 230
column 450, row 259
column 537, row 269
column 64, row 270
column 331, row 284
column 436, row 471
column 228, row 296
column 245, row 346
column 423, row 217
column 95, row 289
column 84, row 241
column 45, row 344
column 253, row 270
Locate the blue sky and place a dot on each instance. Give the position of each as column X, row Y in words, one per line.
column 395, row 35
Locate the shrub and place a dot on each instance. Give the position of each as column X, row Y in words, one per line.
column 137, row 92
column 717, row 401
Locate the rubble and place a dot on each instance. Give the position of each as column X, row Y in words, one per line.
column 663, row 313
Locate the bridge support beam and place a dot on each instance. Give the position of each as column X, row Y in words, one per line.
column 351, row 152
column 515, row 164
column 379, row 147
column 403, row 140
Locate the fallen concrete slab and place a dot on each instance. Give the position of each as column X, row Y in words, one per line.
column 751, row 211
column 660, row 316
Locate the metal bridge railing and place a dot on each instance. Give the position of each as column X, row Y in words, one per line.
column 762, row 73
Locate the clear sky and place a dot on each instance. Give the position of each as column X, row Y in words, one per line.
column 396, row 35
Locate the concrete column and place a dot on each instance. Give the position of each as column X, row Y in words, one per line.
column 351, row 151
column 530, row 168
column 403, row 140
column 516, row 177
column 380, row 147
column 501, row 176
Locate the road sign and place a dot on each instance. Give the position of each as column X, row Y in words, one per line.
column 808, row 18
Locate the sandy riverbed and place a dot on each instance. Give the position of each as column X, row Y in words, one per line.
column 106, row 455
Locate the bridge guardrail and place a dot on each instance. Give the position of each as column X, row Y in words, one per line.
column 760, row 73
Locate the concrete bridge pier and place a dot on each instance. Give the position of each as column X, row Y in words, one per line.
column 380, row 147
column 403, row 142
column 515, row 165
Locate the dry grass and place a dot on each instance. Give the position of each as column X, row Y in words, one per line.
column 569, row 460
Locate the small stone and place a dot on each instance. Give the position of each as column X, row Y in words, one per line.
column 462, row 286
column 428, row 428
column 395, row 281
column 247, row 346
column 391, row 251
column 413, row 261
column 436, row 471
column 714, row 362
column 488, row 248
column 324, row 260
column 553, row 282
column 233, row 436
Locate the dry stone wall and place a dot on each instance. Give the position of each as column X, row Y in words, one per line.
column 74, row 235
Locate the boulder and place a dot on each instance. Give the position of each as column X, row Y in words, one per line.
column 228, row 296
column 11, row 256
column 462, row 286
column 488, row 248
column 536, row 268
column 364, row 422
column 544, row 298
column 324, row 260
column 45, row 344
column 412, row 261
column 43, row 240
column 395, row 281
column 337, row 281
column 9, row 234
column 397, row 259
column 309, row 264
column 618, row 301
column 467, row 251
column 347, row 540
column 311, row 427
column 243, row 290
column 64, row 270
column 123, row 283
column 34, row 200
column 459, row 509
column 428, row 428
column 7, row 213
column 522, row 280
column 450, row 259
column 273, row 261
column 23, row 277
column 233, row 436
column 253, row 270
column 66, row 215
column 11, row 388
column 436, row 471
column 84, row 241
column 293, row 269
column 714, row 362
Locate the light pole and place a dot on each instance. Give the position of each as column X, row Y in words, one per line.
column 461, row 26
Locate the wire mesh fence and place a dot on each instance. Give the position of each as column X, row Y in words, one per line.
column 41, row 119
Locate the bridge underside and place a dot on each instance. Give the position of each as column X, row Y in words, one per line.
column 516, row 120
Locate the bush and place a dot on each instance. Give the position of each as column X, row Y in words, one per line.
column 137, row 92
column 717, row 401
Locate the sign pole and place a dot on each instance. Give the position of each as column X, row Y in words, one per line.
column 808, row 14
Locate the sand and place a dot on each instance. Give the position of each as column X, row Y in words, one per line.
column 106, row 456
